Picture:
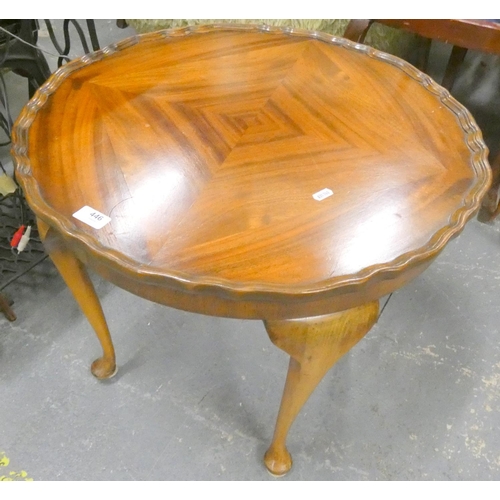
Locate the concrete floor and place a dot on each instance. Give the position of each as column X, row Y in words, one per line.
column 196, row 397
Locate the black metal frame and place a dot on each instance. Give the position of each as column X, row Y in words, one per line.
column 67, row 40
column 18, row 52
column 22, row 58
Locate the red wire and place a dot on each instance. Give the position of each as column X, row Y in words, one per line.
column 17, row 237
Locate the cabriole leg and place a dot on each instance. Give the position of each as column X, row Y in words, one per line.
column 314, row 345
column 75, row 275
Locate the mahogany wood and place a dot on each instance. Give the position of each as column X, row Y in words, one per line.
column 205, row 146
column 473, row 34
column 357, row 29
column 456, row 59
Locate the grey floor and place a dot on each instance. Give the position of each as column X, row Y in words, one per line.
column 196, row 397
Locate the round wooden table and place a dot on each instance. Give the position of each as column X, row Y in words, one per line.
column 249, row 172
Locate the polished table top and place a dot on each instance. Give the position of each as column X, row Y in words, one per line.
column 206, row 150
column 249, row 172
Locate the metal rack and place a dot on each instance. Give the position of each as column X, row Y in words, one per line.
column 13, row 213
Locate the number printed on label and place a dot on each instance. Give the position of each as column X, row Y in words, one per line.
column 321, row 195
column 92, row 217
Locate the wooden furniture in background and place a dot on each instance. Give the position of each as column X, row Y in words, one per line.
column 250, row 173
column 490, row 208
column 463, row 34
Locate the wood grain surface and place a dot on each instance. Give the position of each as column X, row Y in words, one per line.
column 474, row 34
column 314, row 345
column 206, row 145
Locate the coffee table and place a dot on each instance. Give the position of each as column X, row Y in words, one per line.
column 249, row 172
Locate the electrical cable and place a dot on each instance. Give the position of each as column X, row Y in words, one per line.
column 27, row 43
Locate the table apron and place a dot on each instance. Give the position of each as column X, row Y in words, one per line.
column 252, row 305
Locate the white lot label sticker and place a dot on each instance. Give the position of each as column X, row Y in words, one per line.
column 321, row 195
column 92, row 217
